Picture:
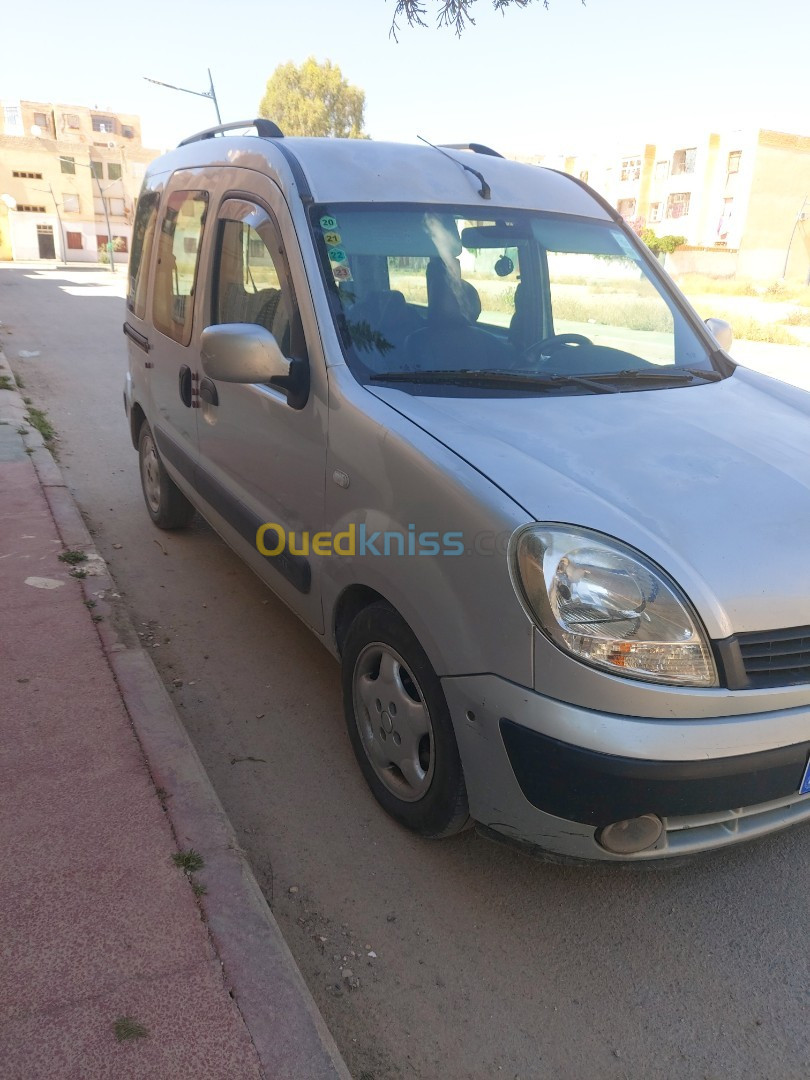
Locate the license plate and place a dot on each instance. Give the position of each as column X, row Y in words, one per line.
column 804, row 787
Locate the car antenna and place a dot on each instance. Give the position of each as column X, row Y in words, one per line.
column 485, row 191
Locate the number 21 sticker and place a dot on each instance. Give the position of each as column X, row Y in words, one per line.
column 332, row 238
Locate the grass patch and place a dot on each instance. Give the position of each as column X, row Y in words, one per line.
column 190, row 860
column 199, row 889
column 637, row 314
column 127, row 1028
column 72, row 556
column 701, row 285
column 39, row 419
column 78, row 572
column 797, row 318
column 6, row 383
column 747, row 328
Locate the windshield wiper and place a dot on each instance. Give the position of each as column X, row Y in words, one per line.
column 507, row 379
column 660, row 374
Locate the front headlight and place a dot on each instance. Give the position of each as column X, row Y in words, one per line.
column 608, row 605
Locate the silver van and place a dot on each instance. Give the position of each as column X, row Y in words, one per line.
column 454, row 414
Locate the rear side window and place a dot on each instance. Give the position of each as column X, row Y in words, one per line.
column 143, row 235
column 179, row 241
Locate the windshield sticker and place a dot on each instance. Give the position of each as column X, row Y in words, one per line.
column 337, row 255
column 328, row 222
column 342, row 273
column 332, row 238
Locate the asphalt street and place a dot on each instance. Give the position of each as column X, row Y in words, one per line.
column 473, row 960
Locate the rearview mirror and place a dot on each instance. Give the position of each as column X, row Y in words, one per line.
column 242, row 353
column 722, row 332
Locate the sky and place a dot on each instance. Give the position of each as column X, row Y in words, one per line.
column 530, row 82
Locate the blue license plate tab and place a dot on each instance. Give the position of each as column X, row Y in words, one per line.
column 804, row 787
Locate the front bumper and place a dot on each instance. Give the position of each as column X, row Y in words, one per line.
column 551, row 774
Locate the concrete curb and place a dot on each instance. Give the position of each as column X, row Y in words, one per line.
column 287, row 1030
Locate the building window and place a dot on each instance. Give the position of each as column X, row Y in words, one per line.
column 70, row 202
column 97, row 170
column 41, row 119
column 114, row 171
column 71, row 120
column 678, row 204
column 661, row 170
column 27, row 175
column 631, row 169
column 27, row 208
column 12, row 114
column 683, row 161
column 127, row 131
column 75, row 241
column 117, row 207
column 68, row 165
column 104, row 123
column 655, row 211
column 734, row 161
column 627, row 208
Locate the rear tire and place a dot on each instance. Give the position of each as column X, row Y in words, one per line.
column 400, row 726
column 167, row 505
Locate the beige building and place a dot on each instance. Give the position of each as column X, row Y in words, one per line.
column 738, row 197
column 61, row 167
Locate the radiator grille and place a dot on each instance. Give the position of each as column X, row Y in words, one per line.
column 776, row 657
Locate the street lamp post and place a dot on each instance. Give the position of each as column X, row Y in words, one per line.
column 210, row 93
column 104, row 207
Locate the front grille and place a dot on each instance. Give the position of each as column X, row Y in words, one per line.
column 768, row 658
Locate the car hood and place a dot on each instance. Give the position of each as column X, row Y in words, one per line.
column 712, row 480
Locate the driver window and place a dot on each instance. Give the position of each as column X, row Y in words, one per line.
column 250, row 282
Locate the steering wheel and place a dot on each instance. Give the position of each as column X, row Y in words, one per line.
column 557, row 341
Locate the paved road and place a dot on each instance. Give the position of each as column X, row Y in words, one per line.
column 488, row 963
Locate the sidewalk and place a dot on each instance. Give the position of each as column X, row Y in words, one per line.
column 111, row 963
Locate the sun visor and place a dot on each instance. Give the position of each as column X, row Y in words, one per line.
column 560, row 234
column 398, row 233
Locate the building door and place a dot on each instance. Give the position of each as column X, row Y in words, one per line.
column 45, row 241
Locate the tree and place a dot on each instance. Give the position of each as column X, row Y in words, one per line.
column 661, row 245
column 314, row 99
column 455, row 13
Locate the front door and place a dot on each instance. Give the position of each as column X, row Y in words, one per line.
column 45, row 241
column 261, row 460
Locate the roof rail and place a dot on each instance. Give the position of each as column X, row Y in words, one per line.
column 476, row 147
column 265, row 129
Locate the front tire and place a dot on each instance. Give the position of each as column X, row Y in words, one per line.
column 167, row 505
column 400, row 727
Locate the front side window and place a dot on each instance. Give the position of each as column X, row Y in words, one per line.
column 449, row 292
column 176, row 270
column 250, row 280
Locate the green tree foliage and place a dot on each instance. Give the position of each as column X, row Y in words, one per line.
column 452, row 13
column 659, row 245
column 314, row 99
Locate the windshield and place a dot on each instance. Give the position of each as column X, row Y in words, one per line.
column 447, row 291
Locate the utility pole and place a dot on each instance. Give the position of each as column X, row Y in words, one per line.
column 103, row 204
column 799, row 217
column 62, row 243
column 210, row 93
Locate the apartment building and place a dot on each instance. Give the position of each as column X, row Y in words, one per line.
column 65, row 171
column 738, row 197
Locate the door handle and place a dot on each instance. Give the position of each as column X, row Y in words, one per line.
column 184, row 380
column 208, row 392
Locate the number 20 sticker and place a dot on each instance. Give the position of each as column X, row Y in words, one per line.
column 328, row 222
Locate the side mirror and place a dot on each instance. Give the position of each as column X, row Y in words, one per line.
column 722, row 332
column 242, row 353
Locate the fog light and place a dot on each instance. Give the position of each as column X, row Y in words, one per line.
column 628, row 837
